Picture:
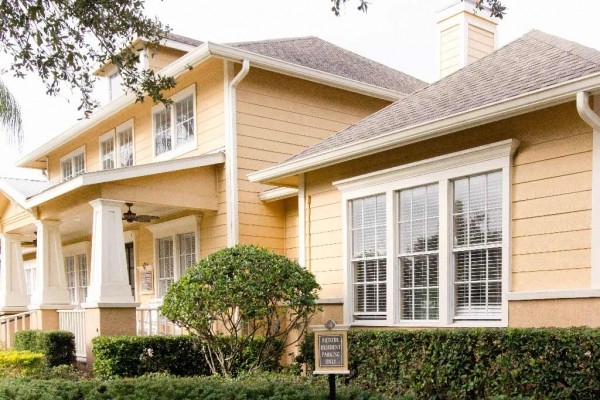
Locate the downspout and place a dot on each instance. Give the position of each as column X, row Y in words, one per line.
column 301, row 221
column 231, row 164
column 593, row 120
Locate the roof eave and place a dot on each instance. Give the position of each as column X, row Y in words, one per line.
column 532, row 101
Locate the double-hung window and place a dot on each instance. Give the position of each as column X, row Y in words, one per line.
column 174, row 126
column 428, row 242
column 116, row 147
column 73, row 164
column 76, row 270
column 176, row 249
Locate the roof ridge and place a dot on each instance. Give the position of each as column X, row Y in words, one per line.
column 287, row 39
column 569, row 46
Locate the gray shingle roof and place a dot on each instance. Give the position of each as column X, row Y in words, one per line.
column 183, row 39
column 318, row 54
column 531, row 62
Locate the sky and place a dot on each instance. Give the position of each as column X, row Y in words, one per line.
column 399, row 33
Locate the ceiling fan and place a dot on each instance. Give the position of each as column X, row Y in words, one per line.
column 130, row 216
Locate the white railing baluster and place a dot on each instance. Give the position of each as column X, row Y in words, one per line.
column 151, row 322
column 74, row 321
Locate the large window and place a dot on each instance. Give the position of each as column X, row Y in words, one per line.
column 107, row 151
column 447, row 264
column 174, row 127
column 73, row 164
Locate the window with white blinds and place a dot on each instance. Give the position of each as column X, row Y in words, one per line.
column 175, row 126
column 166, row 264
column 418, row 228
column 82, row 271
column 477, row 246
column 187, row 251
column 71, row 278
column 30, row 277
column 369, row 262
column 73, row 164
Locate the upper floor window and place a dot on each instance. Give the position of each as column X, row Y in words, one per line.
column 174, row 127
column 116, row 147
column 448, row 261
column 73, row 164
column 115, row 86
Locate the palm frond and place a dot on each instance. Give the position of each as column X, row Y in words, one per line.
column 10, row 117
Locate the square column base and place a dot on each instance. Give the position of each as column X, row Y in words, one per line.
column 103, row 320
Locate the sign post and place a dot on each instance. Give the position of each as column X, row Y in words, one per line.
column 331, row 352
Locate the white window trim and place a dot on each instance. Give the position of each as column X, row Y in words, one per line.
column 178, row 150
column 76, row 152
column 442, row 169
column 172, row 229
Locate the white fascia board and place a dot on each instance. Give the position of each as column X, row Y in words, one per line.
column 118, row 174
column 290, row 69
column 276, row 194
column 175, row 69
column 529, row 102
column 197, row 56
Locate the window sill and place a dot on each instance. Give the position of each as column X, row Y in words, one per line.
column 176, row 152
column 431, row 324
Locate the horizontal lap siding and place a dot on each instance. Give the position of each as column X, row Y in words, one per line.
column 480, row 43
column 551, row 199
column 450, row 50
column 208, row 78
column 278, row 117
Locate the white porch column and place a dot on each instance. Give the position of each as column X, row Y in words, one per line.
column 51, row 283
column 109, row 280
column 13, row 293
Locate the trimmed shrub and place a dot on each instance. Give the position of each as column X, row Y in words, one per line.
column 131, row 356
column 474, row 363
column 160, row 387
column 20, row 363
column 58, row 347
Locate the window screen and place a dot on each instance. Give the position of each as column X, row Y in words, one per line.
column 166, row 270
column 187, row 251
column 184, row 120
column 162, row 132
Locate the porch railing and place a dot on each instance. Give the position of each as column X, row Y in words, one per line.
column 11, row 324
column 74, row 321
column 151, row 322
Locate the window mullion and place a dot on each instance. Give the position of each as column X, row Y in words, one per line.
column 446, row 284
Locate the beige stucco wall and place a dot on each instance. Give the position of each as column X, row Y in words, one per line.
column 551, row 199
column 208, row 78
column 279, row 116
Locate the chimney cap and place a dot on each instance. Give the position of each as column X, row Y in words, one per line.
column 468, row 6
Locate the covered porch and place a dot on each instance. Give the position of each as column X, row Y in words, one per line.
column 69, row 260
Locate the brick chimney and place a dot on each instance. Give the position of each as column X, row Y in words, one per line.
column 465, row 35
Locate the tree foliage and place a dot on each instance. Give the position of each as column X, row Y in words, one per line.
column 495, row 7
column 63, row 41
column 10, row 116
column 242, row 294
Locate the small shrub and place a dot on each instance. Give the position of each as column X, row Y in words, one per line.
column 58, row 347
column 20, row 363
column 241, row 293
column 474, row 363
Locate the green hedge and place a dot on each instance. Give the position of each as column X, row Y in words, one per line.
column 20, row 363
column 130, row 356
column 156, row 387
column 58, row 347
column 474, row 363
